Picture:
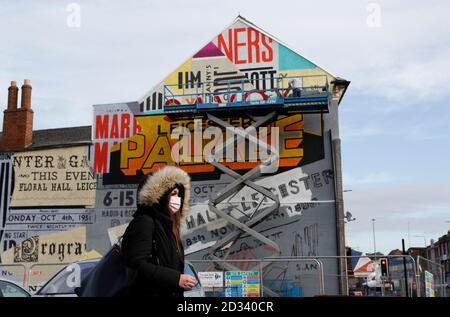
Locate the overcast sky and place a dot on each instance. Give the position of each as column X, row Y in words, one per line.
column 394, row 119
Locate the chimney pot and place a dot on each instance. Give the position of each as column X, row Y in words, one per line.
column 13, row 83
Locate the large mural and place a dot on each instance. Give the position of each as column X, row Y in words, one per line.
column 242, row 58
column 129, row 140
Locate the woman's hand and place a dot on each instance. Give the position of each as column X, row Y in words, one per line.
column 187, row 281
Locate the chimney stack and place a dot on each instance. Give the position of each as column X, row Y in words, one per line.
column 26, row 94
column 18, row 122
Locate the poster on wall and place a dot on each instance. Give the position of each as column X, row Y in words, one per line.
column 240, row 58
column 429, row 284
column 42, row 256
column 61, row 247
column 53, row 177
column 242, row 284
column 211, row 279
column 112, row 124
column 115, row 206
column 6, row 187
column 22, row 224
column 300, row 142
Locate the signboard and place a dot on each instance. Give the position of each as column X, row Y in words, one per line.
column 300, row 142
column 21, row 224
column 113, row 123
column 61, row 247
column 429, row 284
column 115, row 206
column 53, row 177
column 242, row 284
column 211, row 279
column 45, row 255
column 6, row 187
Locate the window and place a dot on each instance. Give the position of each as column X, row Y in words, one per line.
column 8, row 289
column 188, row 269
column 58, row 284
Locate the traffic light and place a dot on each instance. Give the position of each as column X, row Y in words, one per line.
column 384, row 266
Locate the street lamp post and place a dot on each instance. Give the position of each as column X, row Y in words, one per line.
column 373, row 230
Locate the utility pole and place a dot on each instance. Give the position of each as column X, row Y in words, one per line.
column 338, row 192
column 373, row 230
column 405, row 272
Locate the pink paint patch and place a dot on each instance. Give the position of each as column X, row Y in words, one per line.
column 210, row 50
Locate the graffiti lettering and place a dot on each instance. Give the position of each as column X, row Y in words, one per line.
column 207, row 189
column 34, row 161
column 112, row 124
column 62, row 249
column 115, row 127
column 153, row 146
column 194, row 221
column 246, row 46
column 189, row 79
column 261, row 78
column 194, row 239
column 306, row 267
column 216, row 233
column 306, row 243
column 228, row 81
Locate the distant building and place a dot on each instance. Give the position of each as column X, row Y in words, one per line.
column 397, row 272
column 439, row 252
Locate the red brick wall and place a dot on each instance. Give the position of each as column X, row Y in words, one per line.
column 17, row 129
column 18, row 122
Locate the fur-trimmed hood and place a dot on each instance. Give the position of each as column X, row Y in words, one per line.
column 160, row 182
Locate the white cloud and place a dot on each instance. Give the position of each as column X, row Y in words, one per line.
column 371, row 178
column 123, row 49
column 120, row 51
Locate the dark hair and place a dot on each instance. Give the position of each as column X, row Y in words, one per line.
column 142, row 182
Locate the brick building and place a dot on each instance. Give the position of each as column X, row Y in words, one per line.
column 18, row 136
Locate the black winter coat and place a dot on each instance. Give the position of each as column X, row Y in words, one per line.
column 150, row 252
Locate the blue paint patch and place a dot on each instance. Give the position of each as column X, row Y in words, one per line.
column 288, row 59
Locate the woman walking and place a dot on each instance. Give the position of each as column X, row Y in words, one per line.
column 151, row 245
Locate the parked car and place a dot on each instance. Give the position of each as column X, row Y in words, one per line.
column 57, row 286
column 11, row 289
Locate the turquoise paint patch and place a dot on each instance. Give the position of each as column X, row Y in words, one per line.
column 288, row 59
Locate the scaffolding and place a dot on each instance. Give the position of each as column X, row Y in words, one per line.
column 280, row 93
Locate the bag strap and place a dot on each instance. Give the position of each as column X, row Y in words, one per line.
column 119, row 241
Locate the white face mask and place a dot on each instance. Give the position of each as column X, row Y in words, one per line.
column 174, row 204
